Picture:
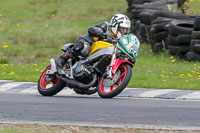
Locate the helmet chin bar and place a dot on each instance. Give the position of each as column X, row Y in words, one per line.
column 118, row 34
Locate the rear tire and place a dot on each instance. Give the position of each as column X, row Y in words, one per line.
column 122, row 82
column 56, row 84
column 196, row 23
column 180, row 27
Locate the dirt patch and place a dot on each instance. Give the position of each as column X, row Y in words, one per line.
column 44, row 128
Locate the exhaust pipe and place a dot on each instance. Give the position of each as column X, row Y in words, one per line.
column 72, row 83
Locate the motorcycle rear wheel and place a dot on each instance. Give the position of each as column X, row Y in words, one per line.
column 49, row 86
column 119, row 85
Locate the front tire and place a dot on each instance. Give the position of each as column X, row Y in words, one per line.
column 125, row 71
column 49, row 86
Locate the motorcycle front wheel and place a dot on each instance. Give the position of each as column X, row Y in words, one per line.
column 49, row 85
column 109, row 88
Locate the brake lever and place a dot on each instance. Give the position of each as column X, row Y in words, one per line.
column 108, row 38
column 115, row 41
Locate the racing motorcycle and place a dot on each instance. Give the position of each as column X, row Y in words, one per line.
column 106, row 70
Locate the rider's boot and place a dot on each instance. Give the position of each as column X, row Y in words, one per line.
column 60, row 62
column 72, row 54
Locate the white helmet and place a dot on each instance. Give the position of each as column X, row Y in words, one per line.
column 120, row 25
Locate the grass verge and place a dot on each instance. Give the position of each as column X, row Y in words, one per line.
column 162, row 71
column 193, row 7
column 44, row 128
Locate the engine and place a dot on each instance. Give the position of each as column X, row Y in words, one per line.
column 83, row 73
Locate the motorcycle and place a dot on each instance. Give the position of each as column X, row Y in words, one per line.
column 106, row 70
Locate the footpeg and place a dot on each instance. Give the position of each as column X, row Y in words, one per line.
column 61, row 72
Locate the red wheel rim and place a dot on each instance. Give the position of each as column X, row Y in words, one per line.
column 44, row 84
column 106, row 90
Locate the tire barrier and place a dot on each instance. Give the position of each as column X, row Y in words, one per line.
column 197, row 23
column 195, row 41
column 180, row 33
column 154, row 23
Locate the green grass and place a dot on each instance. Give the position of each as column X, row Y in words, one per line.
column 15, row 131
column 32, row 32
column 162, row 71
column 41, row 128
column 193, row 7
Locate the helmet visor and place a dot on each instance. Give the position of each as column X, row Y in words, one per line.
column 124, row 31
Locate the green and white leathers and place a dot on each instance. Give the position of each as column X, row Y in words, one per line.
column 129, row 45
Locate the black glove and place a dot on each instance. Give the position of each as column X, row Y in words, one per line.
column 95, row 31
column 108, row 38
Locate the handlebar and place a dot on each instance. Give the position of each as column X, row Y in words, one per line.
column 110, row 39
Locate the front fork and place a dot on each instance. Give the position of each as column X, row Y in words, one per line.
column 109, row 74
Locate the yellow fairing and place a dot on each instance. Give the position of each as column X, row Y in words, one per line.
column 99, row 45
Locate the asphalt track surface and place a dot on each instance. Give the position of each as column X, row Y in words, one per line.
column 92, row 110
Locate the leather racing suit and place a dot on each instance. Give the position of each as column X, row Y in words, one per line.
column 82, row 45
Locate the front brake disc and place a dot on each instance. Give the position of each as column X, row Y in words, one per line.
column 110, row 82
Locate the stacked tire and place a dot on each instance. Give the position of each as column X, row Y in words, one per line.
column 153, row 22
column 143, row 14
column 194, row 54
column 140, row 25
column 178, row 41
column 159, row 33
column 159, row 29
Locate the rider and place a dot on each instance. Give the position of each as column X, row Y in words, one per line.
column 118, row 27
